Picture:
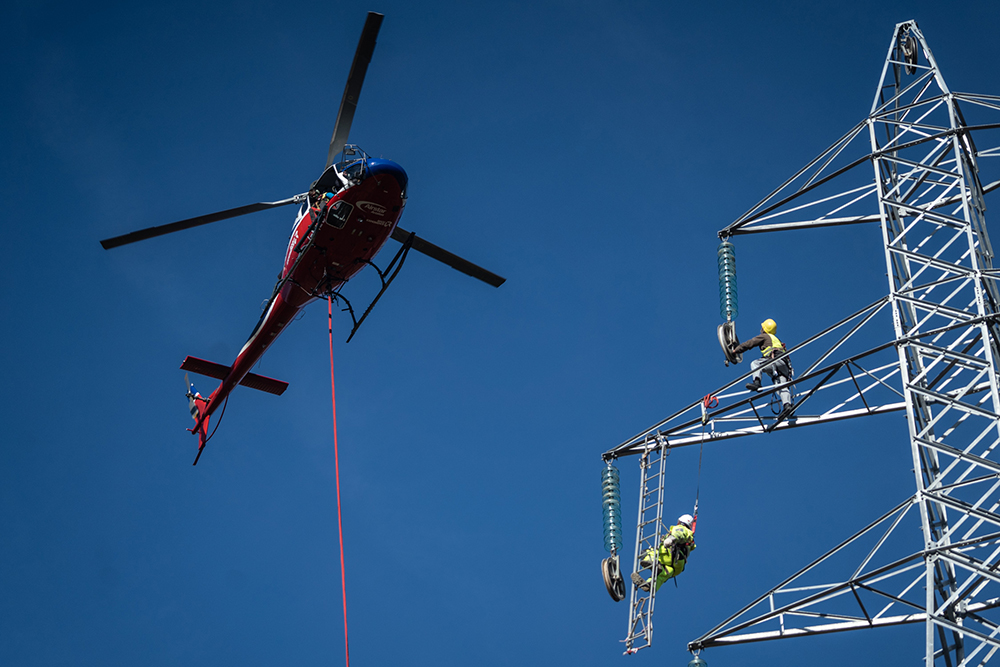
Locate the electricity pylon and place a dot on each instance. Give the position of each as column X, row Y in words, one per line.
column 940, row 367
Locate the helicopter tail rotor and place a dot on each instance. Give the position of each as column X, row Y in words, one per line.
column 192, row 397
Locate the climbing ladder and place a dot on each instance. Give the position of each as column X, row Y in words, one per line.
column 647, row 536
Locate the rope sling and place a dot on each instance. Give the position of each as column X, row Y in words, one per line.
column 336, row 463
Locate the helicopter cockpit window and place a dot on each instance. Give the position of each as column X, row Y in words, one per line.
column 352, row 171
column 328, row 182
column 338, row 214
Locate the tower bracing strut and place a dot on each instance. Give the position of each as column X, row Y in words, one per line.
column 926, row 146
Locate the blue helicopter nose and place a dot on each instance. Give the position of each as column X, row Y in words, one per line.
column 380, row 167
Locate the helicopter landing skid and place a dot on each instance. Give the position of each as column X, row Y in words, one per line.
column 400, row 257
column 728, row 341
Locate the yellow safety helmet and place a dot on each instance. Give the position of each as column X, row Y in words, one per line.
column 768, row 326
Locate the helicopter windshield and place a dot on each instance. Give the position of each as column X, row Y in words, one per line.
column 352, row 170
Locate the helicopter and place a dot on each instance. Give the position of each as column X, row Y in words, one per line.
column 344, row 219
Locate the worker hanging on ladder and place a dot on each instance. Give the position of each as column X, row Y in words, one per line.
column 774, row 361
column 669, row 560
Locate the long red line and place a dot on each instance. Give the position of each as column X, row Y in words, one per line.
column 336, row 464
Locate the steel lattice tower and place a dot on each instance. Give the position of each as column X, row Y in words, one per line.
column 940, row 367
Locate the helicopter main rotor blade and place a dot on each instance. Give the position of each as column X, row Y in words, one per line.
column 180, row 225
column 451, row 259
column 352, row 91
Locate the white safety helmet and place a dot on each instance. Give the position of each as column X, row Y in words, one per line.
column 686, row 520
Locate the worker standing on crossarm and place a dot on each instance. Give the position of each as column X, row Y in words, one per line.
column 669, row 559
column 774, row 361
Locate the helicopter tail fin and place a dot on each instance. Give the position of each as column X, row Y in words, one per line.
column 202, row 437
column 197, row 403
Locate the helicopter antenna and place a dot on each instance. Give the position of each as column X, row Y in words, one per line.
column 352, row 91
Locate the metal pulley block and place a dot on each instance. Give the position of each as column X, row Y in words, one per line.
column 613, row 578
column 908, row 45
column 728, row 341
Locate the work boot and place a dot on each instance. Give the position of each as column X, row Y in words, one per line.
column 645, row 563
column 753, row 386
column 640, row 582
column 786, row 411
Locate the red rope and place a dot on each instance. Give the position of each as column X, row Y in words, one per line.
column 336, row 463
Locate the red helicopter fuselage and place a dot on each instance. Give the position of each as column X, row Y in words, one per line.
column 344, row 220
column 350, row 214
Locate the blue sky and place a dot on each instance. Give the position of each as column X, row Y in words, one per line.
column 587, row 151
